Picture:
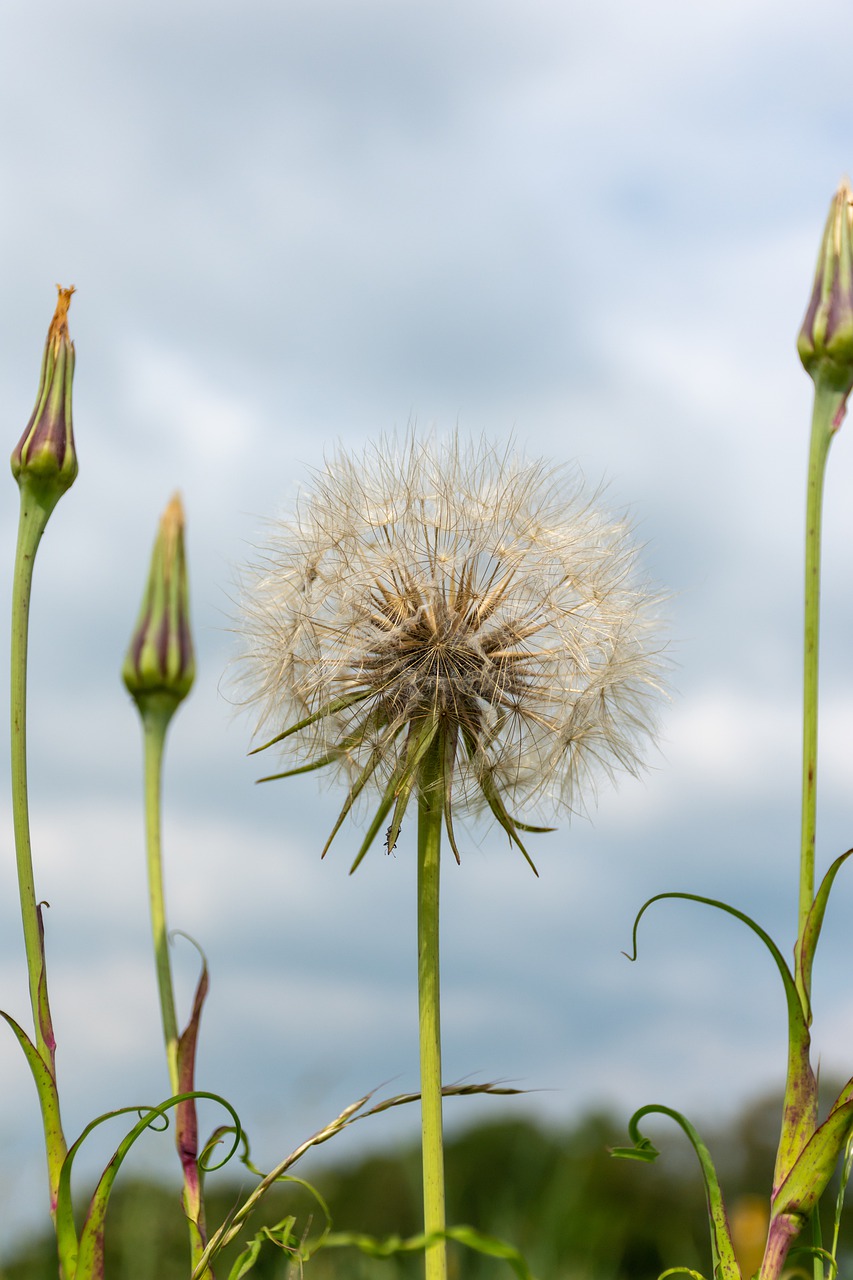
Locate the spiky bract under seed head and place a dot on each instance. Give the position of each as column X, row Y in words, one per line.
column 438, row 596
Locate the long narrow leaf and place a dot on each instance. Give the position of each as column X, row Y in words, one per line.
column 88, row 1257
column 722, row 1249
column 328, row 709
column 418, row 744
column 48, row 1097
column 449, row 748
column 814, row 922
column 498, row 808
column 372, row 832
column 493, row 799
column 354, row 792
column 302, row 768
column 800, row 1116
column 186, row 1115
column 808, row 1179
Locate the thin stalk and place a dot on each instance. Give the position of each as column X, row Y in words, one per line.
column 155, row 721
column 846, row 1168
column 817, row 1241
column 828, row 405
column 430, row 810
column 156, row 713
column 33, row 519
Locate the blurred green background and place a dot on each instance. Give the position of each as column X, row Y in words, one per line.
column 558, row 1196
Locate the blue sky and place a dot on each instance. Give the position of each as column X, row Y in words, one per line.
column 588, row 228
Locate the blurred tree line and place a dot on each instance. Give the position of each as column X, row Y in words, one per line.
column 573, row 1211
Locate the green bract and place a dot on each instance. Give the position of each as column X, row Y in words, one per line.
column 160, row 666
column 825, row 342
column 44, row 459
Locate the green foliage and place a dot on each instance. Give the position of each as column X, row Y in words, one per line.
column 572, row 1211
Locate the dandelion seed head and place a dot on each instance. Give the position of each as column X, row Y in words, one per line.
column 451, row 592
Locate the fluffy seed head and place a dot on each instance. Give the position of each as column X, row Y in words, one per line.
column 437, row 597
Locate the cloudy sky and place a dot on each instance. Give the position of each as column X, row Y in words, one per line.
column 292, row 224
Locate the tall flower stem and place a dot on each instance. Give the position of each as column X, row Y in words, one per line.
column 31, row 526
column 34, row 515
column 826, row 418
column 429, row 857
column 158, row 671
column 155, row 722
column 44, row 464
column 156, row 713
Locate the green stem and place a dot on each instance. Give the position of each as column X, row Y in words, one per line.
column 842, row 1190
column 33, row 519
column 34, row 515
column 817, row 1241
column 155, row 722
column 156, row 711
column 429, row 851
column 828, row 405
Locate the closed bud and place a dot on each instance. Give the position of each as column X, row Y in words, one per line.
column 160, row 667
column 44, row 459
column 825, row 343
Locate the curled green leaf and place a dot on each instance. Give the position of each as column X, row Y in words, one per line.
column 644, row 1150
column 48, row 1096
column 800, row 1115
column 724, row 1261
column 681, row 1271
column 84, row 1259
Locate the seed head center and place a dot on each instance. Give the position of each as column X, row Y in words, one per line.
column 432, row 662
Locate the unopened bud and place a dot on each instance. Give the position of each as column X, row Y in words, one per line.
column 159, row 667
column 825, row 342
column 44, row 459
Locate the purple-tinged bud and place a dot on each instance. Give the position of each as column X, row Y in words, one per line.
column 825, row 342
column 159, row 667
column 44, row 459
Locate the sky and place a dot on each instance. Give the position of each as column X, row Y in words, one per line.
column 587, row 229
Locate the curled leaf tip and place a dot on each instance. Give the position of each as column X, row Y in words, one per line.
column 644, row 1150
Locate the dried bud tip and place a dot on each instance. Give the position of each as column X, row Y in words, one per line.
column 44, row 461
column 159, row 668
column 172, row 524
column 59, row 324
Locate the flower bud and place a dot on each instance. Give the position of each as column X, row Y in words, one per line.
column 825, row 342
column 159, row 667
column 44, row 459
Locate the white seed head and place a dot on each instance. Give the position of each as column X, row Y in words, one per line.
column 441, row 591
